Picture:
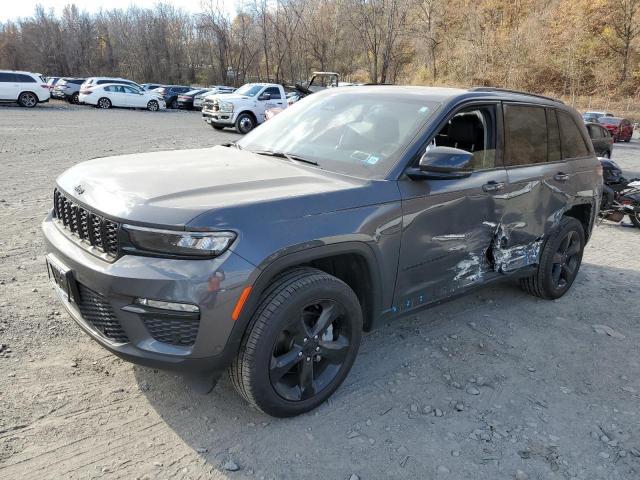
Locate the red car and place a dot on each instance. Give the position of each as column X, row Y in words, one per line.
column 621, row 129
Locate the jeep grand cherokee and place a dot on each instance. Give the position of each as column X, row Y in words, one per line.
column 269, row 257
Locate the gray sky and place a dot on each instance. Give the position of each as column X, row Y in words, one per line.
column 12, row 9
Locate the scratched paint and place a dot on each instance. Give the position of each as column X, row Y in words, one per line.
column 469, row 271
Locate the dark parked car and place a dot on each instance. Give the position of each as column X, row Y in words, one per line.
column 171, row 92
column 620, row 129
column 601, row 139
column 268, row 258
column 185, row 100
column 68, row 89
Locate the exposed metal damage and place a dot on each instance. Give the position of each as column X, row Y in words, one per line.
column 508, row 259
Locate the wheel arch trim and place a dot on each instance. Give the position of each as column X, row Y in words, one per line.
column 281, row 261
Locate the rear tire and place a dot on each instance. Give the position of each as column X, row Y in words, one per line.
column 300, row 344
column 27, row 100
column 104, row 102
column 559, row 261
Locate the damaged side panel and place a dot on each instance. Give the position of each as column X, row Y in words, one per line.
column 508, row 259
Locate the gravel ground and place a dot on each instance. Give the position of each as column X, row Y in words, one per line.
column 496, row 385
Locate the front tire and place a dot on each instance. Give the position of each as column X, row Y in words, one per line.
column 559, row 261
column 153, row 106
column 104, row 102
column 300, row 344
column 27, row 100
column 245, row 123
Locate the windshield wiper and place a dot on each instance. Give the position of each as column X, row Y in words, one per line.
column 289, row 156
column 231, row 144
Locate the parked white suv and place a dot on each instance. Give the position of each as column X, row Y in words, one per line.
column 28, row 89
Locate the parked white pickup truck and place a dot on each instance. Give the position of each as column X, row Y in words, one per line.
column 243, row 109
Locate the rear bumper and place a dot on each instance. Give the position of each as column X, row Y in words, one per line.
column 105, row 308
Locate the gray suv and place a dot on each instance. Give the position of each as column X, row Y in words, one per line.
column 269, row 257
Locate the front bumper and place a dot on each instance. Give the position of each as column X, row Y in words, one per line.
column 213, row 285
column 219, row 118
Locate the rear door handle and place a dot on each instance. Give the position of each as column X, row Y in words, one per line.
column 561, row 177
column 493, row 186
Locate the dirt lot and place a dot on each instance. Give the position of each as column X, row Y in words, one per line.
column 496, row 385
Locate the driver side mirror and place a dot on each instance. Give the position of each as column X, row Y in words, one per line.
column 443, row 163
column 265, row 96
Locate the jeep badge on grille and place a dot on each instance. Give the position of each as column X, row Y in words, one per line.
column 78, row 189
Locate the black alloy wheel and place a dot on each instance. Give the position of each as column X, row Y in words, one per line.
column 566, row 260
column 300, row 343
column 310, row 351
column 559, row 262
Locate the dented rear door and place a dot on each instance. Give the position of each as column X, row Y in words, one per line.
column 537, row 192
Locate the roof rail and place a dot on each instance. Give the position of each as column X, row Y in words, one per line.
column 517, row 92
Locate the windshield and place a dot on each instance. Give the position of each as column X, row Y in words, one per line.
column 356, row 133
column 250, row 90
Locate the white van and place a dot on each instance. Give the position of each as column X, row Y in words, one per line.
column 25, row 88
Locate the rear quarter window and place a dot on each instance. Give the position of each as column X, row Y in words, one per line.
column 6, row 77
column 571, row 139
column 21, row 78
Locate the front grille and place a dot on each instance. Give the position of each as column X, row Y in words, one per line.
column 173, row 331
column 211, row 105
column 91, row 228
column 97, row 311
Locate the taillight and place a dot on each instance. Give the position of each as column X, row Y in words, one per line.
column 85, row 92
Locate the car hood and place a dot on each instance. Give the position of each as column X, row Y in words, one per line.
column 172, row 188
column 230, row 97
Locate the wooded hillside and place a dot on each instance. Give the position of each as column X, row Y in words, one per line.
column 569, row 48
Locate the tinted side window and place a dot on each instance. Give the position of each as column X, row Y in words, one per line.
column 525, row 130
column 6, row 77
column 24, row 78
column 108, row 88
column 274, row 92
column 573, row 144
column 554, row 136
column 77, row 82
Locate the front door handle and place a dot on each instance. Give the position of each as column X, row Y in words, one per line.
column 493, row 186
column 561, row 177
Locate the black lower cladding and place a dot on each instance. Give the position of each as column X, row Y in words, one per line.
column 175, row 331
column 97, row 311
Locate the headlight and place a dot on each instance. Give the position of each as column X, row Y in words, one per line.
column 226, row 107
column 177, row 243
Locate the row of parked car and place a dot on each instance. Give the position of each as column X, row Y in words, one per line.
column 29, row 89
